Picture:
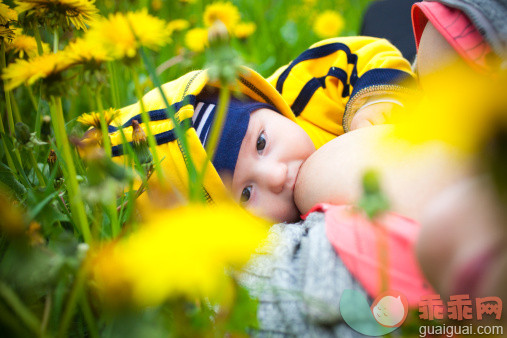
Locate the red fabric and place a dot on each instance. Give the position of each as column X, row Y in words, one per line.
column 356, row 240
column 456, row 28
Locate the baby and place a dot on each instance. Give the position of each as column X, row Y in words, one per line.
column 273, row 125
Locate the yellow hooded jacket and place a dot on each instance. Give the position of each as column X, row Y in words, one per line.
column 320, row 90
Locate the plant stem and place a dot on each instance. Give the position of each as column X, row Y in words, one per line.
column 74, row 295
column 152, row 143
column 19, row 308
column 47, row 311
column 88, row 315
column 383, row 256
column 6, row 151
column 32, row 97
column 113, row 215
column 111, row 206
column 114, row 84
column 75, row 198
column 55, row 41
column 38, row 39
column 103, row 125
column 38, row 118
column 10, row 119
column 194, row 187
column 216, row 130
column 35, row 166
column 15, row 109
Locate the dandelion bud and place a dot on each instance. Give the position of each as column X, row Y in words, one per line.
column 371, row 183
column 22, row 133
column 141, row 148
column 138, row 134
column 373, row 201
column 51, row 158
column 45, row 130
column 218, row 33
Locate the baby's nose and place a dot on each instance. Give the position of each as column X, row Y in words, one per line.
column 275, row 176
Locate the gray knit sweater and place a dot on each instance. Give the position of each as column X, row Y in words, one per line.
column 298, row 280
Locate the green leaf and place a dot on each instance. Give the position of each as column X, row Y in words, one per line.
column 8, row 178
column 243, row 315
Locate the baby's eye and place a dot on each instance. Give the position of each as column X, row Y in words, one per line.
column 245, row 194
column 261, row 142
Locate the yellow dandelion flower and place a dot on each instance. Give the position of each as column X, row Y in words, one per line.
column 177, row 252
column 7, row 14
column 244, row 29
column 223, row 11
column 6, row 33
column 85, row 51
column 178, row 25
column 24, row 44
column 93, row 119
column 328, row 24
column 196, row 39
column 122, row 34
column 79, row 13
column 40, row 67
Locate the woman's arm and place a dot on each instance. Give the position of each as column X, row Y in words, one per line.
column 410, row 175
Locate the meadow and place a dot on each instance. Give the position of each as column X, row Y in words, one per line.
column 77, row 255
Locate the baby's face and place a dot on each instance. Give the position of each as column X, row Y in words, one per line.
column 273, row 150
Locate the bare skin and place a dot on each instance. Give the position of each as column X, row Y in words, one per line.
column 410, row 176
column 460, row 226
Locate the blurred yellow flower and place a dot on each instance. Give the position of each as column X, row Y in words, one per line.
column 244, row 29
column 7, row 14
column 178, row 25
column 122, row 34
column 196, row 39
column 85, row 51
column 460, row 108
column 177, row 252
column 93, row 119
column 39, row 67
column 76, row 12
column 328, row 24
column 12, row 222
column 25, row 44
column 223, row 11
column 156, row 5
